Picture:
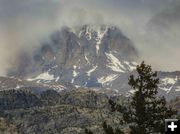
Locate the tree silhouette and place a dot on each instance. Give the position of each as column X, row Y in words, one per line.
column 146, row 111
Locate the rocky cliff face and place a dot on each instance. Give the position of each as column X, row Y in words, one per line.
column 98, row 57
column 78, row 52
column 64, row 86
column 87, row 56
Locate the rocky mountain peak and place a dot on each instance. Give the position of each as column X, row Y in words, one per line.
column 85, row 56
column 88, row 56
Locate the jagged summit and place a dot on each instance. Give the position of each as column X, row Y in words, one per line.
column 85, row 56
column 87, row 45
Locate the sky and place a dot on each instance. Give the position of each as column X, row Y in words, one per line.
column 152, row 25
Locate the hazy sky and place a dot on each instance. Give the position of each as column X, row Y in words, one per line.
column 152, row 25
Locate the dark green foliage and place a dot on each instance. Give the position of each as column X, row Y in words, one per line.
column 50, row 97
column 88, row 131
column 109, row 130
column 15, row 99
column 146, row 111
column 6, row 127
column 52, row 112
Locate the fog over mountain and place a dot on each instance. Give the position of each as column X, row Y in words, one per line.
column 152, row 26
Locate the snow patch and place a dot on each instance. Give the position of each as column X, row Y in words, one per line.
column 100, row 35
column 134, row 63
column 87, row 59
column 19, row 80
column 132, row 91
column 43, row 76
column 58, row 88
column 74, row 66
column 177, row 89
column 168, row 83
column 92, row 70
column 106, row 80
column 77, row 86
column 74, row 71
column 166, row 89
column 72, row 81
column 57, row 79
column 97, row 48
column 38, row 81
column 56, row 66
column 88, row 33
column 169, row 80
column 18, row 86
column 131, row 67
column 114, row 63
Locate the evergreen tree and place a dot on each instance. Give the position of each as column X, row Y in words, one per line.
column 146, row 112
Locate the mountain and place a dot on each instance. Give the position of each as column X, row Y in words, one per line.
column 169, row 84
column 64, row 85
column 96, row 57
column 7, row 83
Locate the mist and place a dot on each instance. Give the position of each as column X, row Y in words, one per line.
column 152, row 25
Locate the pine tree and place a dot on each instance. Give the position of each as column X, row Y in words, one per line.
column 146, row 112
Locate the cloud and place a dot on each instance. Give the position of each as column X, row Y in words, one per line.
column 162, row 37
column 25, row 24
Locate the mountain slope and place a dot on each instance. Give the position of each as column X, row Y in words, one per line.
column 98, row 57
